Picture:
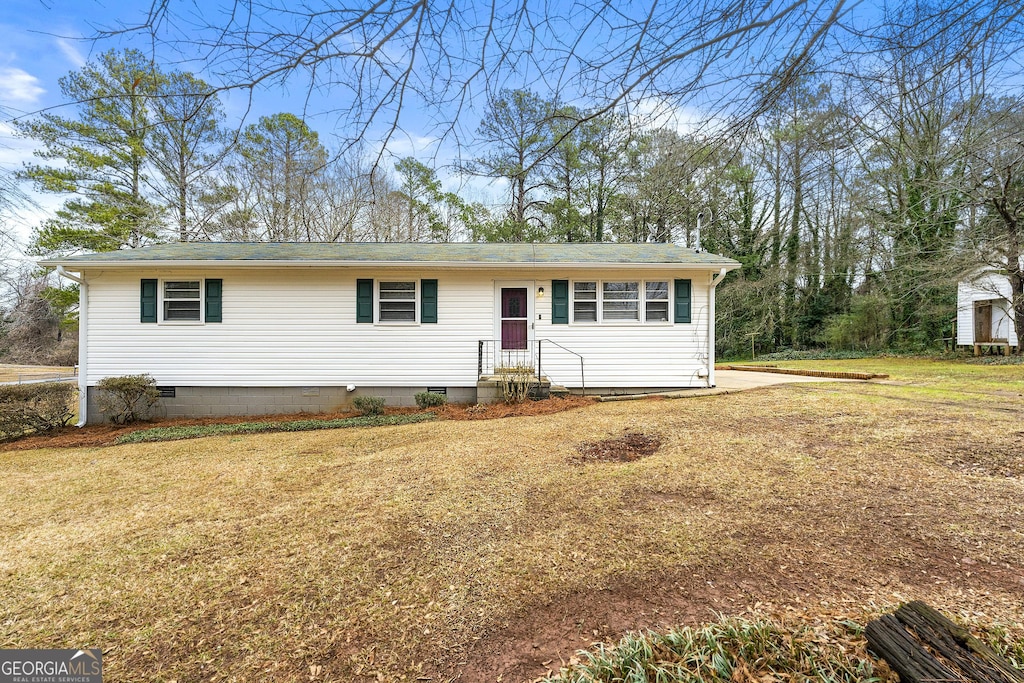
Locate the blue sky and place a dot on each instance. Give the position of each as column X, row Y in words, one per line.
column 43, row 40
column 46, row 39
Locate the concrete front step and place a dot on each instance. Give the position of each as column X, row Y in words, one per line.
column 488, row 388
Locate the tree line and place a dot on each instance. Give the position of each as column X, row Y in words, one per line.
column 855, row 204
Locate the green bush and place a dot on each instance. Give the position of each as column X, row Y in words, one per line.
column 428, row 399
column 34, row 408
column 127, row 399
column 866, row 327
column 369, row 405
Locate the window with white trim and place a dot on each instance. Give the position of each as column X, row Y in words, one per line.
column 584, row 302
column 181, row 301
column 656, row 302
column 621, row 301
column 397, row 302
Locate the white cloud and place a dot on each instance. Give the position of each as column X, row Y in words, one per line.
column 71, row 52
column 685, row 120
column 20, row 221
column 13, row 149
column 403, row 145
column 19, row 87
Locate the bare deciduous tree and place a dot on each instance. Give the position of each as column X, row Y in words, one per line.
column 389, row 61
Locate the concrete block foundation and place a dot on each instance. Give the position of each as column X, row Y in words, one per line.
column 240, row 401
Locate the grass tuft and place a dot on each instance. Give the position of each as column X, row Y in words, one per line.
column 730, row 650
column 199, row 431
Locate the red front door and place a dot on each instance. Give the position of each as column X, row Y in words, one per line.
column 514, row 318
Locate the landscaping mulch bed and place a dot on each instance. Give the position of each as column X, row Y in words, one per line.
column 108, row 434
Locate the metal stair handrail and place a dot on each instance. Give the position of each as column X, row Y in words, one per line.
column 583, row 379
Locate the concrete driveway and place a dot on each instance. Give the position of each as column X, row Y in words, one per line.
column 730, row 381
column 737, row 380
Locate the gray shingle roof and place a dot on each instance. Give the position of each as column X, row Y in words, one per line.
column 394, row 253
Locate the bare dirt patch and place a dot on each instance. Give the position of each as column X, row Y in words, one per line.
column 626, row 448
column 999, row 458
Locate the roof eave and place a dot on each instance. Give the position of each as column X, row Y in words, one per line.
column 78, row 266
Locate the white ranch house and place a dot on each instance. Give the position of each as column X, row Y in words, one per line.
column 255, row 328
column 984, row 315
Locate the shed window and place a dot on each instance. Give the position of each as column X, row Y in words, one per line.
column 397, row 302
column 181, row 301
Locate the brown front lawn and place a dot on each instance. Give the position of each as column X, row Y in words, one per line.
column 469, row 550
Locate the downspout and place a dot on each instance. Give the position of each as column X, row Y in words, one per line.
column 83, row 343
column 715, row 280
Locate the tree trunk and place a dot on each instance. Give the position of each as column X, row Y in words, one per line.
column 182, row 192
column 1016, row 290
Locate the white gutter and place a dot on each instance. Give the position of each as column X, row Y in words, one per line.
column 715, row 280
column 83, row 343
column 298, row 263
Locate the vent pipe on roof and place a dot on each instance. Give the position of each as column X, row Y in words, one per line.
column 696, row 237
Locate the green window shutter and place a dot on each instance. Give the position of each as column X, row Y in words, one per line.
column 682, row 301
column 364, row 301
column 560, row 302
column 428, row 301
column 214, row 295
column 148, row 301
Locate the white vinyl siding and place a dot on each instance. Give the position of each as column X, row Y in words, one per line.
column 630, row 354
column 994, row 288
column 290, row 327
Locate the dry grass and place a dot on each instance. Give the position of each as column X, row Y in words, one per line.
column 20, row 373
column 420, row 550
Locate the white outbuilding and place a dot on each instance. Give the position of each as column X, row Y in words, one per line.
column 984, row 314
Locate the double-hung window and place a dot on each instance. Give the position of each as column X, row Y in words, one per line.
column 182, row 301
column 656, row 302
column 397, row 302
column 584, row 302
column 394, row 301
column 620, row 301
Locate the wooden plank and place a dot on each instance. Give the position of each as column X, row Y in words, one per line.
column 974, row 658
column 923, row 646
column 889, row 640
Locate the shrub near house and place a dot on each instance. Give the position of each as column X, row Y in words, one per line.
column 34, row 408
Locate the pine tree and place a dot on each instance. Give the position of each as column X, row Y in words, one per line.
column 99, row 157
